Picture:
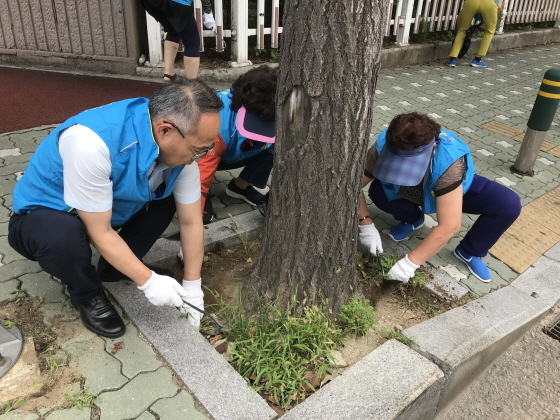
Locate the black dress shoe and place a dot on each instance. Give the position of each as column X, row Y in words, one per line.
column 100, row 316
column 108, row 273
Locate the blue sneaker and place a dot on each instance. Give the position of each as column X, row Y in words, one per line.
column 451, row 63
column 403, row 231
column 475, row 63
column 475, row 264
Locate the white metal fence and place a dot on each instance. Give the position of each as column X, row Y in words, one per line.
column 403, row 19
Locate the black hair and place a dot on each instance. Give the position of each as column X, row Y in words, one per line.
column 256, row 91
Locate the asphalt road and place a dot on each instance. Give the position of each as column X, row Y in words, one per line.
column 524, row 384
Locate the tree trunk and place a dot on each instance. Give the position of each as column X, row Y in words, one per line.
column 328, row 71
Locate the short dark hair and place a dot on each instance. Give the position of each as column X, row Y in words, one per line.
column 412, row 130
column 256, row 91
column 184, row 101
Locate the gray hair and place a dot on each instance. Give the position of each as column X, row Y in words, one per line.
column 183, row 101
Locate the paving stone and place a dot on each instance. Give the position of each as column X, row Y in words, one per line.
column 42, row 285
column 18, row 268
column 7, row 200
column 8, row 252
column 70, row 414
column 136, row 356
column 19, row 415
column 8, row 289
column 147, row 416
column 137, row 395
column 101, row 370
column 179, row 407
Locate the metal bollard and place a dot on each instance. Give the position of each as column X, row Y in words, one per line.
column 539, row 123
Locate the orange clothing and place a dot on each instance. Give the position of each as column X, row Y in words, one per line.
column 208, row 166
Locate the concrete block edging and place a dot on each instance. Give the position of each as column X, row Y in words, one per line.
column 451, row 349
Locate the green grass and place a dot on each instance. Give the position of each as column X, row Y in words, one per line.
column 81, row 399
column 274, row 350
column 358, row 316
column 9, row 324
column 390, row 333
column 9, row 406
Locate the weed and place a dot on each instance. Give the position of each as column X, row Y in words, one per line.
column 259, row 51
column 234, row 227
column 81, row 399
column 52, row 364
column 390, row 333
column 418, row 280
column 20, row 293
column 388, row 261
column 275, row 55
column 66, row 303
column 358, row 316
column 274, row 350
column 9, row 406
column 9, row 324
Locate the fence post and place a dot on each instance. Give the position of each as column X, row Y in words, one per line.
column 406, row 20
column 539, row 122
column 154, row 40
column 239, row 36
column 503, row 17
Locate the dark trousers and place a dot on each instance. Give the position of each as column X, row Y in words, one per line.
column 58, row 241
column 256, row 169
column 497, row 205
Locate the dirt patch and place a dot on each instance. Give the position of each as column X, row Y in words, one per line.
column 55, row 379
column 398, row 307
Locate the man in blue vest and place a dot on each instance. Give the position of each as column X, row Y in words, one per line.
column 419, row 168
column 129, row 165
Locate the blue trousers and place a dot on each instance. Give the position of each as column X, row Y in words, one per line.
column 497, row 205
column 256, row 169
column 58, row 241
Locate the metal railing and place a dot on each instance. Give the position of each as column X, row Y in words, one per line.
column 404, row 17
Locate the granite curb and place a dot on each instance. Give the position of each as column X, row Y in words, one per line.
column 392, row 382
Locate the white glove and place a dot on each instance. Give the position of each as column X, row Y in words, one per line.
column 369, row 238
column 163, row 290
column 209, row 23
column 403, row 270
column 195, row 296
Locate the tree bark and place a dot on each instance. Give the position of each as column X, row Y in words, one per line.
column 330, row 59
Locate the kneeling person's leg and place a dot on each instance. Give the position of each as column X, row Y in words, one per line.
column 58, row 241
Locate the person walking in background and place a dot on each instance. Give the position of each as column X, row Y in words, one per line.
column 416, row 168
column 489, row 10
column 178, row 21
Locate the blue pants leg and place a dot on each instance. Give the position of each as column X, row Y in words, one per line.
column 256, row 169
column 403, row 210
column 498, row 207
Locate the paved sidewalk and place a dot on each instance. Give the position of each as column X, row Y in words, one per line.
column 134, row 383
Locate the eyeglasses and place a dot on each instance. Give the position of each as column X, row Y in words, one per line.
column 195, row 155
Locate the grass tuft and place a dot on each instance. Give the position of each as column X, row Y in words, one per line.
column 358, row 316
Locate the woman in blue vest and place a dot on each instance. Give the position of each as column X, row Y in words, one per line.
column 418, row 168
column 129, row 165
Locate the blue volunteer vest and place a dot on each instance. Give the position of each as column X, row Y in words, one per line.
column 449, row 149
column 126, row 129
column 230, row 135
